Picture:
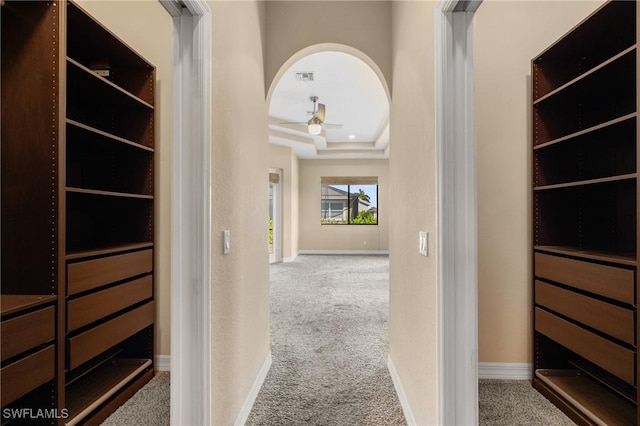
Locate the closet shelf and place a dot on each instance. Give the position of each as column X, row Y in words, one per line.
column 108, row 193
column 586, row 74
column 628, row 176
column 89, row 392
column 609, row 123
column 597, row 402
column 103, row 80
column 627, row 259
column 111, row 249
column 107, row 135
column 12, row 303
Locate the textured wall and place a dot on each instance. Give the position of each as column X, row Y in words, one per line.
column 413, row 278
column 240, row 154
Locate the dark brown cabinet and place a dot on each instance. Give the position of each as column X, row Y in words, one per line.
column 585, row 214
column 77, row 223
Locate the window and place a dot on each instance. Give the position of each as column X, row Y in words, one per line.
column 349, row 201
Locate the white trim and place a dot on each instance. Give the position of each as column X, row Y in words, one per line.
column 253, row 393
column 373, row 252
column 290, row 259
column 404, row 402
column 457, row 216
column 163, row 362
column 505, row 370
column 191, row 218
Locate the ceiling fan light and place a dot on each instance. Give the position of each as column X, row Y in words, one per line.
column 314, row 126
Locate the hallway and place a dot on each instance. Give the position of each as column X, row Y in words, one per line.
column 329, row 328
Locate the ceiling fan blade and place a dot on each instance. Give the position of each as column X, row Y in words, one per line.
column 331, row 125
column 320, row 113
column 301, row 123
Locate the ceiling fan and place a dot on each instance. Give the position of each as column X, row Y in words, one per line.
column 316, row 122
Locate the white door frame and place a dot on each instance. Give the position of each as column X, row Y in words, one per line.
column 191, row 220
column 457, row 214
column 191, row 214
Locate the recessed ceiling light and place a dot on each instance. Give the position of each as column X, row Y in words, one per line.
column 352, row 136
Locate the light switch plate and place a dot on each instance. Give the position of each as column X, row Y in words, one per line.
column 226, row 242
column 423, row 246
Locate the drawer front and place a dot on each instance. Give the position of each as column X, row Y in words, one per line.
column 608, row 281
column 90, row 274
column 86, row 345
column 27, row 331
column 23, row 376
column 614, row 358
column 87, row 309
column 613, row 320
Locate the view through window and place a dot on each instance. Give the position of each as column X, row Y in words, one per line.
column 349, row 201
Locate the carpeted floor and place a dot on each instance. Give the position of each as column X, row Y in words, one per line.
column 329, row 346
column 148, row 407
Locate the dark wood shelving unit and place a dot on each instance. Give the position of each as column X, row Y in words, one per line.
column 77, row 204
column 585, row 214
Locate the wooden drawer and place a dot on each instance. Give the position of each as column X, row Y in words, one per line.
column 86, row 345
column 608, row 281
column 87, row 309
column 94, row 273
column 614, row 358
column 27, row 331
column 615, row 321
column 23, row 376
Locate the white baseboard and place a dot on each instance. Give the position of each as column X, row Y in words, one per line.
column 505, row 371
column 289, row 259
column 253, row 393
column 163, row 362
column 343, row 251
column 406, row 409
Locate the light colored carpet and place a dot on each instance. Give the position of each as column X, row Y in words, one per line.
column 516, row 403
column 148, row 407
column 329, row 344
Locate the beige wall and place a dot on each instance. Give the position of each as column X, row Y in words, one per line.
column 285, row 159
column 155, row 44
column 413, row 309
column 240, row 154
column 507, row 35
column 295, row 25
column 313, row 235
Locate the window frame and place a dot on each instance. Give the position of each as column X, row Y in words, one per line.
column 348, row 182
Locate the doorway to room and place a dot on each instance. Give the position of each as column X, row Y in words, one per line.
column 275, row 215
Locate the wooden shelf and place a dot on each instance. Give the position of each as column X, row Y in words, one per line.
column 597, row 402
column 628, row 259
column 609, row 123
column 602, row 35
column 101, row 251
column 103, row 80
column 587, row 74
column 108, row 193
column 108, row 135
column 609, row 179
column 89, row 392
column 12, row 303
column 584, row 132
column 77, row 198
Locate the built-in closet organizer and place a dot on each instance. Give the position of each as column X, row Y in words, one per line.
column 77, row 213
column 585, row 214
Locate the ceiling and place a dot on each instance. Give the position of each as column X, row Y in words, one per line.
column 353, row 96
